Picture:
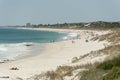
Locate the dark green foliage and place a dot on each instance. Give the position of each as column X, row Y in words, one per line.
column 113, row 74
column 90, row 25
column 107, row 65
column 108, row 70
column 114, row 68
column 101, row 24
column 92, row 74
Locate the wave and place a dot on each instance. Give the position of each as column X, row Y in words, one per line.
column 9, row 51
column 70, row 36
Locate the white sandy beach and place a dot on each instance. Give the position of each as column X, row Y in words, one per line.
column 54, row 54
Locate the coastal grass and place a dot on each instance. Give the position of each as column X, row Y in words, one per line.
column 113, row 67
column 110, row 68
column 112, row 37
column 92, row 74
column 109, row 64
column 113, row 74
column 107, row 70
column 96, row 71
column 63, row 71
column 58, row 74
column 18, row 78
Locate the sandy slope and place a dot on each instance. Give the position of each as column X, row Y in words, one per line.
column 55, row 54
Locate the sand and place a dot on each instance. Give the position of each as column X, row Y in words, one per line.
column 54, row 54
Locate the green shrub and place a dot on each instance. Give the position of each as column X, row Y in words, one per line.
column 107, row 65
column 114, row 68
column 92, row 74
column 113, row 74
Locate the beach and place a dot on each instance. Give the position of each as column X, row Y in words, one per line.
column 55, row 54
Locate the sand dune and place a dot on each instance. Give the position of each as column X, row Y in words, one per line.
column 54, row 54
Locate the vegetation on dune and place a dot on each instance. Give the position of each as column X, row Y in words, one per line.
column 107, row 70
column 18, row 78
column 112, row 51
column 92, row 74
column 88, row 25
column 109, row 64
column 113, row 37
column 58, row 74
column 113, row 67
column 110, row 68
column 113, row 74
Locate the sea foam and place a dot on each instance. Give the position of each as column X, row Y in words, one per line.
column 9, row 51
column 70, row 36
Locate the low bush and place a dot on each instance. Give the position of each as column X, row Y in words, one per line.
column 113, row 74
column 109, row 64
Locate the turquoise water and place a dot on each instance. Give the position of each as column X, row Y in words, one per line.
column 12, row 35
column 13, row 41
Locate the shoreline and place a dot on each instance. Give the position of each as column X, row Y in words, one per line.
column 54, row 54
column 62, row 30
column 32, row 50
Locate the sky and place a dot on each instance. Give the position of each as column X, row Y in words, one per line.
column 20, row 12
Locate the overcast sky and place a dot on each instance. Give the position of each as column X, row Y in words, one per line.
column 20, row 12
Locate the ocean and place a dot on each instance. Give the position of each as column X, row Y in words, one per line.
column 13, row 35
column 13, row 41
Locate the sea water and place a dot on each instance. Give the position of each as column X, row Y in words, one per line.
column 13, row 41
